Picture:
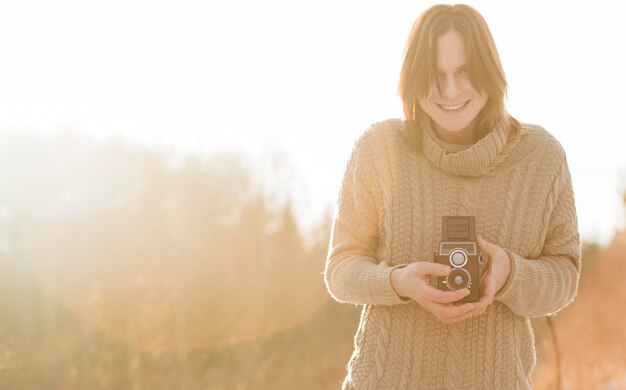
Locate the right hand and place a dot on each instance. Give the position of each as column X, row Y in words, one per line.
column 413, row 281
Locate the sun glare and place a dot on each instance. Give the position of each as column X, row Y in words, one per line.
column 168, row 175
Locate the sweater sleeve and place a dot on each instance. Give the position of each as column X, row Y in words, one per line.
column 353, row 273
column 545, row 285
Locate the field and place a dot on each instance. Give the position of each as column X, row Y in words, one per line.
column 120, row 271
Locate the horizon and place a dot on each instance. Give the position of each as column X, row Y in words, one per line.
column 302, row 82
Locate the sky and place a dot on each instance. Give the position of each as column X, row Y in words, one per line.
column 290, row 85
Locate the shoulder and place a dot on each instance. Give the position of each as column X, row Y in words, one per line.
column 381, row 134
column 546, row 152
column 539, row 136
column 542, row 142
column 376, row 145
column 383, row 130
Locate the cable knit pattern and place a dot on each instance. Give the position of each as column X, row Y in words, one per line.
column 388, row 214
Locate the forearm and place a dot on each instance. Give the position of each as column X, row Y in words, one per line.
column 538, row 287
column 353, row 274
column 356, row 279
column 548, row 283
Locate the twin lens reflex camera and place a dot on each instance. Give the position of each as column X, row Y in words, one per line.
column 459, row 250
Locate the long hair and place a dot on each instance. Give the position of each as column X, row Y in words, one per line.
column 419, row 69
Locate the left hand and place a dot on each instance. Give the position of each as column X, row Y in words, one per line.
column 497, row 275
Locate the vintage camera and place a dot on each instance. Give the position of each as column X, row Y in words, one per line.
column 459, row 250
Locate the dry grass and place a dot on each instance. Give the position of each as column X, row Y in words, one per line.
column 191, row 279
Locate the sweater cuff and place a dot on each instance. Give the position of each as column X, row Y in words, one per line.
column 506, row 293
column 383, row 282
column 402, row 299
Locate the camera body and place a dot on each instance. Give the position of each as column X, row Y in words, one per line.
column 459, row 250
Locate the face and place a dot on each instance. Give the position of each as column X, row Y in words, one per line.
column 454, row 107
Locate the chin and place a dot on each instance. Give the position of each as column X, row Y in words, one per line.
column 455, row 129
column 458, row 134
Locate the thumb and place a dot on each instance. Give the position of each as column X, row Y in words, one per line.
column 486, row 246
column 427, row 268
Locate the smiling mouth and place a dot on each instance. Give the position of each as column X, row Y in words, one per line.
column 454, row 107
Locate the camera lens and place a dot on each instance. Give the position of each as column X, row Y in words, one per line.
column 459, row 278
column 458, row 258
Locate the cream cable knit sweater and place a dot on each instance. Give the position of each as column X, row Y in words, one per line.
column 389, row 214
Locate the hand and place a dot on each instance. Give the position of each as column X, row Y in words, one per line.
column 413, row 281
column 497, row 275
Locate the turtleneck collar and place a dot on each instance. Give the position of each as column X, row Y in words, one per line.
column 468, row 160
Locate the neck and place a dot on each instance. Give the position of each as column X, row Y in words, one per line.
column 466, row 136
column 464, row 156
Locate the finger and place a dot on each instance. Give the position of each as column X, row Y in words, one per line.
column 460, row 318
column 479, row 312
column 483, row 302
column 486, row 246
column 490, row 290
column 439, row 296
column 481, row 305
column 427, row 268
column 444, row 311
column 489, row 286
column 487, row 292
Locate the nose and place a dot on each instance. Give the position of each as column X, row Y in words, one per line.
column 450, row 88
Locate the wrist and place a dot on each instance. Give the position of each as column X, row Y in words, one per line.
column 394, row 279
column 505, row 268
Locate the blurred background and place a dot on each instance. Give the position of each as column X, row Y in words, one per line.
column 168, row 173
